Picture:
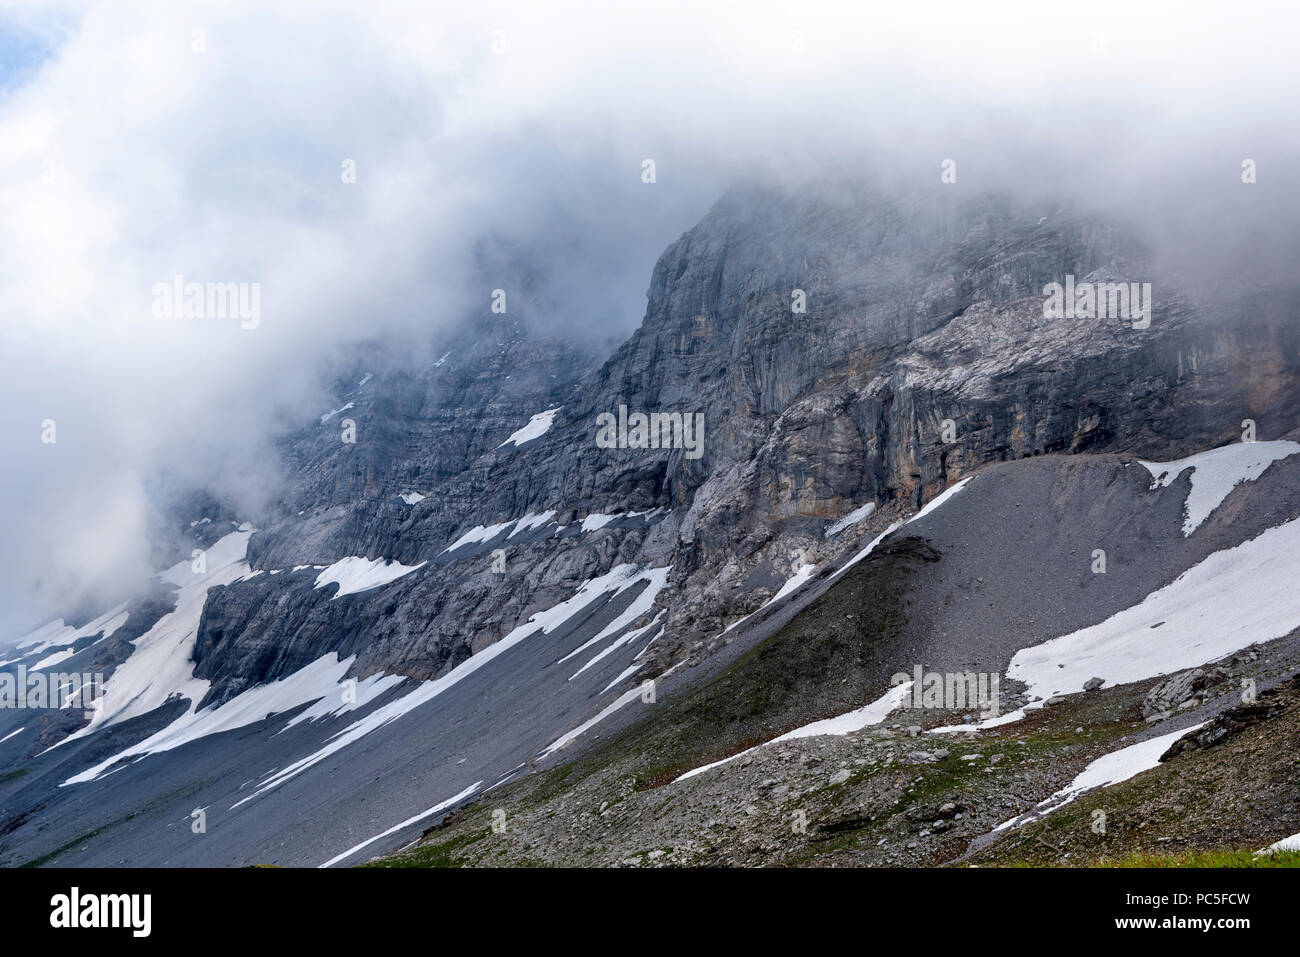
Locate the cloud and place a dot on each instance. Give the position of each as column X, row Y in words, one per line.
column 139, row 141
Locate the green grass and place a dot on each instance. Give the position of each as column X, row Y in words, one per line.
column 163, row 801
column 1242, row 857
column 433, row 855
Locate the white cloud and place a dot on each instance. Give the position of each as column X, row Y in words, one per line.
column 126, row 158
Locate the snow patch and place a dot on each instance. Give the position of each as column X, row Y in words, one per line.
column 1233, row 598
column 56, row 634
column 636, row 663
column 935, row 503
column 1106, row 770
column 362, row 693
column 537, row 426
column 333, row 412
column 1216, row 473
column 319, row 679
column 479, row 534
column 1291, row 843
column 162, row 664
column 105, row 624
column 873, row 713
column 641, row 606
column 625, row 698
column 596, row 521
column 855, row 516
column 532, row 520
column 1001, row 719
column 656, row 578
column 792, row 584
column 355, row 574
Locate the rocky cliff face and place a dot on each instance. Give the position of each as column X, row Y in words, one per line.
column 922, row 355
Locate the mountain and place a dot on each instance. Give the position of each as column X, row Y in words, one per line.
column 898, row 460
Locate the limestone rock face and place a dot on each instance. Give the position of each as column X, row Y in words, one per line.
column 922, row 355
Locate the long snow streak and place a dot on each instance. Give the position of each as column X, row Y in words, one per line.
column 606, row 586
column 407, row 823
column 864, row 717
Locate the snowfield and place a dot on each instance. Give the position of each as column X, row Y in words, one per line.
column 319, row 680
column 162, row 664
column 1216, row 473
column 1234, row 598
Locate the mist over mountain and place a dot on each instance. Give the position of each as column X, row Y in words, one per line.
column 408, row 403
column 208, row 142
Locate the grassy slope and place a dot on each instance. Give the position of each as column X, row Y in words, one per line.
column 615, row 802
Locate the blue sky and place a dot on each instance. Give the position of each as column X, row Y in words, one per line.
column 22, row 50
